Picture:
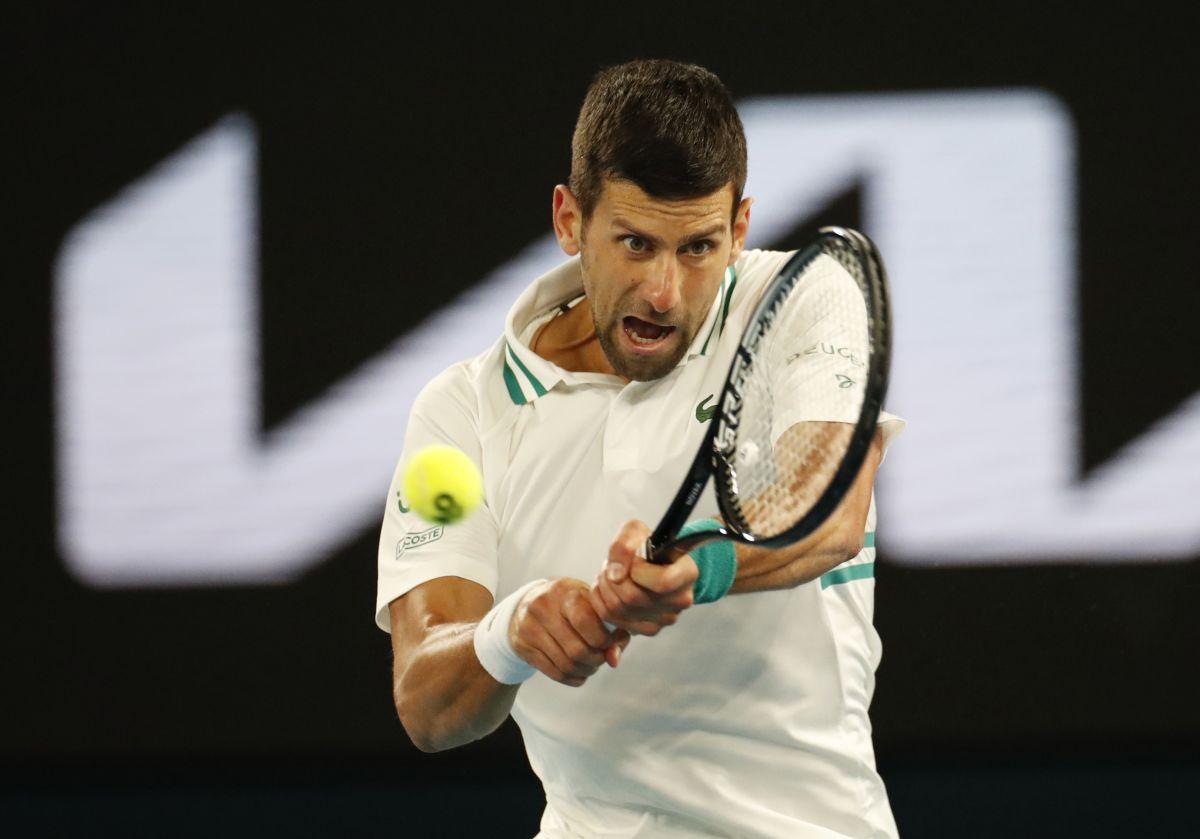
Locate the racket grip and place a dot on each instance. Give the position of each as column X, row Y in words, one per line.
column 655, row 556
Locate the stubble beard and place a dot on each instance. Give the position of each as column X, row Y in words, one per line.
column 636, row 368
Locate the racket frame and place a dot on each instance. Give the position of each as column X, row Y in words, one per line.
column 663, row 547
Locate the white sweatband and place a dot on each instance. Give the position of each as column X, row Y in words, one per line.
column 492, row 647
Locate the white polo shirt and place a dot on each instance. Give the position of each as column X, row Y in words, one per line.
column 746, row 718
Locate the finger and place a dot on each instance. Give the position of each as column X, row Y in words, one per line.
column 665, row 579
column 624, row 549
column 633, row 597
column 620, row 641
column 657, row 623
column 601, row 611
column 538, row 659
column 613, row 611
column 537, row 637
column 583, row 619
column 583, row 659
column 603, row 602
column 626, row 602
column 569, row 651
column 645, row 627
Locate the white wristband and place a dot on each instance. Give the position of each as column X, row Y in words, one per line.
column 492, row 647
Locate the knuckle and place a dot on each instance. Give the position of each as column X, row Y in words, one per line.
column 577, row 607
column 522, row 634
column 661, row 583
column 579, row 670
column 637, row 597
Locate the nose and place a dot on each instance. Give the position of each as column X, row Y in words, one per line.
column 663, row 290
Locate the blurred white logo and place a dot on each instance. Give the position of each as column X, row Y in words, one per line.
column 165, row 479
column 416, row 540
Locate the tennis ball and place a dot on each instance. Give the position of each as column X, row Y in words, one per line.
column 442, row 484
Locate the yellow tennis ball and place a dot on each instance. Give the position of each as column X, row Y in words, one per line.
column 442, row 484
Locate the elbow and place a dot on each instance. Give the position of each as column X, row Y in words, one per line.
column 419, row 727
column 842, row 551
column 422, row 738
column 851, row 548
column 433, row 730
column 846, row 543
column 427, row 745
column 829, row 557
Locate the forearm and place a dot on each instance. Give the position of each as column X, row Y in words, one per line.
column 840, row 538
column 764, row 569
column 444, row 696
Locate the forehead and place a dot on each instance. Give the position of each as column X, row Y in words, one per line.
column 628, row 201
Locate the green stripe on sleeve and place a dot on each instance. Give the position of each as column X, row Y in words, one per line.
column 537, row 386
column 869, row 539
column 862, row 571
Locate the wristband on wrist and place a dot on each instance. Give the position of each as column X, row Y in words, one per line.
column 492, row 646
column 717, row 561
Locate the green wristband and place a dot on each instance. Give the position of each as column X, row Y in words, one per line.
column 717, row 561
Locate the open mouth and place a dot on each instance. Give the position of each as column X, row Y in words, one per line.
column 644, row 334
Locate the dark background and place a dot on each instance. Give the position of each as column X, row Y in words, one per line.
column 1049, row 700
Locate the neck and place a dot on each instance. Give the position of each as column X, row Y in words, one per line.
column 569, row 340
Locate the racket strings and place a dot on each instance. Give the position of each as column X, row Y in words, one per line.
column 801, row 398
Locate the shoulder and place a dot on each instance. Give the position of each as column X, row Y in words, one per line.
column 465, row 389
column 752, row 272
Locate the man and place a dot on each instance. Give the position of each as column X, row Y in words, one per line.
column 750, row 717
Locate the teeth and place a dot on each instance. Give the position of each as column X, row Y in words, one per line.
column 638, row 339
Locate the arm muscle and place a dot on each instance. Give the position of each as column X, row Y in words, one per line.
column 443, row 695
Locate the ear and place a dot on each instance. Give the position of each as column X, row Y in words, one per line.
column 568, row 220
column 741, row 226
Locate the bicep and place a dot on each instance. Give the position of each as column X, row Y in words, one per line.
column 438, row 602
column 850, row 518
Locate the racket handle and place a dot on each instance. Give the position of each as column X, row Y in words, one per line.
column 677, row 547
column 649, row 552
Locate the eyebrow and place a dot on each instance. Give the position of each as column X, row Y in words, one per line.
column 707, row 233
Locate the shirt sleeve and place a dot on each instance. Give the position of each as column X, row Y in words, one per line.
column 817, row 355
column 413, row 551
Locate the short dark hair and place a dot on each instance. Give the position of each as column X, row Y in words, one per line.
column 669, row 127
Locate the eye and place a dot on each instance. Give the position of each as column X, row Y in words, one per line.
column 699, row 248
column 635, row 244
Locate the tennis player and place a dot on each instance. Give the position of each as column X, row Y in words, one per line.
column 748, row 717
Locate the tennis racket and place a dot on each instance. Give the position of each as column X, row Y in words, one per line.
column 800, row 406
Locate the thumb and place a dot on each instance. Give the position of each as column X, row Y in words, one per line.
column 624, row 549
